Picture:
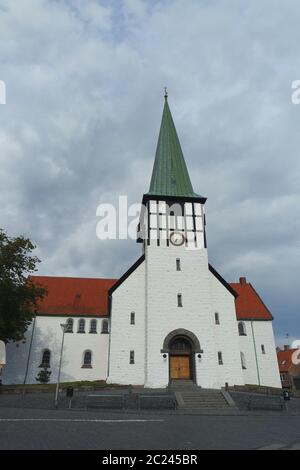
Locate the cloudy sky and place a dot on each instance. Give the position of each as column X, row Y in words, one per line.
column 84, row 101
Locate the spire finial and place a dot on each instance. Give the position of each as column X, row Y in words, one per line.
column 166, row 92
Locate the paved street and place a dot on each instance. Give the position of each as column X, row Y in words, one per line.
column 60, row 429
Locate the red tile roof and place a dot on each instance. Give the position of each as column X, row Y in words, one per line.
column 89, row 296
column 285, row 359
column 74, row 296
column 248, row 304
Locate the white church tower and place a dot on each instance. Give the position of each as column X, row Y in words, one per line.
column 172, row 316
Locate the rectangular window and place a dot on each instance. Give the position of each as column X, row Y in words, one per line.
column 178, row 265
column 243, row 361
column 132, row 318
column 179, row 300
column 171, row 222
column 188, row 208
column 162, row 207
column 217, row 319
column 199, row 225
column 220, row 358
column 163, row 221
column 131, row 359
column 263, row 349
column 180, row 223
column 197, row 209
column 153, row 221
column 189, row 223
column 153, row 207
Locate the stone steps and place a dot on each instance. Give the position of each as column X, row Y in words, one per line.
column 189, row 397
column 183, row 385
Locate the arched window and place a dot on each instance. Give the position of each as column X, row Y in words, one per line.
column 46, row 358
column 81, row 326
column 242, row 329
column 104, row 326
column 180, row 346
column 243, row 361
column 93, row 326
column 69, row 328
column 87, row 359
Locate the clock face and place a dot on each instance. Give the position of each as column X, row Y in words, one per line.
column 177, row 238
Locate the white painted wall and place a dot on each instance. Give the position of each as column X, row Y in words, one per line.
column 163, row 284
column 261, row 368
column 226, row 338
column 48, row 335
column 202, row 295
column 128, row 297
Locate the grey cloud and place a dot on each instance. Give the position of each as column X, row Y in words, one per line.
column 84, row 101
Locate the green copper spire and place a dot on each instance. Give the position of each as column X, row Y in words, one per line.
column 170, row 175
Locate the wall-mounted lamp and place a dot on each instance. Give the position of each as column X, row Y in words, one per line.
column 164, row 356
column 199, row 356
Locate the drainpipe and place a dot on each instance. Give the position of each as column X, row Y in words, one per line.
column 109, row 338
column 146, row 315
column 29, row 352
column 255, row 352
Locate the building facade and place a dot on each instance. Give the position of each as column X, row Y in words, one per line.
column 289, row 367
column 171, row 316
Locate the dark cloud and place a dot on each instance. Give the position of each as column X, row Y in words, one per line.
column 84, row 101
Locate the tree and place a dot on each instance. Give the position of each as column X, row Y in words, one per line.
column 44, row 375
column 19, row 295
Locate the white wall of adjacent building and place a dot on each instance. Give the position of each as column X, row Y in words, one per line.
column 259, row 349
column 24, row 358
column 226, row 338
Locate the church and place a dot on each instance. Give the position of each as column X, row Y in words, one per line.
column 170, row 317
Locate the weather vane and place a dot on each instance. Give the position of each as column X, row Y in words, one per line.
column 166, row 92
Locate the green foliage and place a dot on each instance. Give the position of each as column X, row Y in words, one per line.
column 43, row 376
column 19, row 296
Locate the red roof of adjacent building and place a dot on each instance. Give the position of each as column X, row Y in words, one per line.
column 89, row 296
column 285, row 359
column 74, row 296
column 248, row 304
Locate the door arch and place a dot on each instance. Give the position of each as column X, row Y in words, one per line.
column 181, row 345
column 180, row 359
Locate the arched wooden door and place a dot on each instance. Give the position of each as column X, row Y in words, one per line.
column 180, row 359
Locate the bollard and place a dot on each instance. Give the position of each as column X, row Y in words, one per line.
column 69, row 394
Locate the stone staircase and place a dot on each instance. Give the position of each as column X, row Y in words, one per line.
column 191, row 397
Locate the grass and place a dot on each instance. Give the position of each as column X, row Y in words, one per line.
column 262, row 390
column 84, row 384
